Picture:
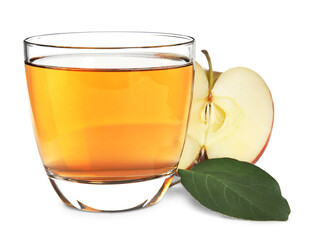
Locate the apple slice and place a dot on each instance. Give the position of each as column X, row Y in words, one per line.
column 197, row 126
column 231, row 117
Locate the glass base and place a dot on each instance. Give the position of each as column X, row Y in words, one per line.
column 108, row 197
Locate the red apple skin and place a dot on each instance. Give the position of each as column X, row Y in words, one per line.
column 189, row 168
column 264, row 147
column 262, row 151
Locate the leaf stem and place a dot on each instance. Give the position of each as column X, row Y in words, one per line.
column 174, row 183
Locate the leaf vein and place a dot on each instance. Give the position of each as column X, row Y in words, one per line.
column 241, row 196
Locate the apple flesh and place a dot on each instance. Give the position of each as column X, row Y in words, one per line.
column 232, row 117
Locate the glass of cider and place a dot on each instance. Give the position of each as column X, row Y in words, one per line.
column 110, row 113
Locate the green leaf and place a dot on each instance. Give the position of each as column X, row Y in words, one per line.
column 236, row 189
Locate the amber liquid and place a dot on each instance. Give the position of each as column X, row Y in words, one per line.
column 95, row 124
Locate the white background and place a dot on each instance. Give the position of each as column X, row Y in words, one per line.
column 270, row 37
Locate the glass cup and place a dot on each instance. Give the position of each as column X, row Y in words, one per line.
column 110, row 113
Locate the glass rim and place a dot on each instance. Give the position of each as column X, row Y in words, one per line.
column 187, row 40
